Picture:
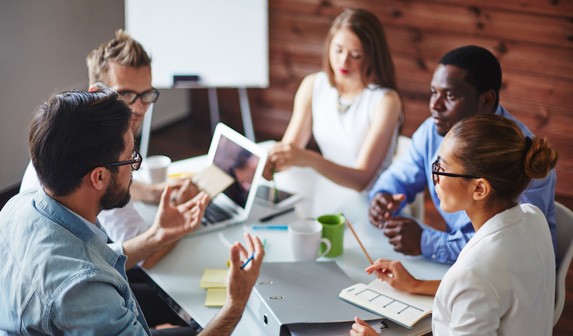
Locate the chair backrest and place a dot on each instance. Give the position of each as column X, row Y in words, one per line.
column 416, row 208
column 564, row 222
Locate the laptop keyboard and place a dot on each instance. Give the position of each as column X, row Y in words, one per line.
column 214, row 214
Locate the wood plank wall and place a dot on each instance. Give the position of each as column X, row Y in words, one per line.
column 533, row 39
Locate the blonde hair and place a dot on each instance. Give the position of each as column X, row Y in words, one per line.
column 122, row 50
column 493, row 147
column 377, row 67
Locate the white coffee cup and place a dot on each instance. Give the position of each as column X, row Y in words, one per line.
column 156, row 168
column 305, row 237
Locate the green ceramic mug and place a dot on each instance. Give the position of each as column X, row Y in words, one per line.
column 333, row 230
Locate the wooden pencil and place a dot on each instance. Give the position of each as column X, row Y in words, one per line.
column 359, row 242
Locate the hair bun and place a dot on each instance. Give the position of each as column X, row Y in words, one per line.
column 540, row 158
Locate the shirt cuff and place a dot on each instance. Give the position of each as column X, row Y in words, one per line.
column 116, row 247
column 429, row 244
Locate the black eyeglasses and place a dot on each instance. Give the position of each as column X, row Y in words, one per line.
column 436, row 172
column 135, row 162
column 146, row 97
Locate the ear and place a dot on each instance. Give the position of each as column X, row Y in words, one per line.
column 98, row 178
column 487, row 101
column 98, row 86
column 481, row 189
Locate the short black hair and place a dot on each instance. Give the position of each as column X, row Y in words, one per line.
column 74, row 132
column 483, row 70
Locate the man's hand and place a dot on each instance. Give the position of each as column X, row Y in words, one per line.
column 382, row 206
column 174, row 221
column 405, row 234
column 183, row 191
column 171, row 223
column 241, row 281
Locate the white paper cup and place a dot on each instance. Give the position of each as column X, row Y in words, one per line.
column 305, row 237
column 156, row 167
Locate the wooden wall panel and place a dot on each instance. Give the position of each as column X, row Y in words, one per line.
column 533, row 39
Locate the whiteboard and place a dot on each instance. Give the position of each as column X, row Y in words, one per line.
column 224, row 42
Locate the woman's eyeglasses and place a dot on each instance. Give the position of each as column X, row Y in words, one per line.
column 437, row 170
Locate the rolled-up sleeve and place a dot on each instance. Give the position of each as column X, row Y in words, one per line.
column 407, row 174
column 444, row 247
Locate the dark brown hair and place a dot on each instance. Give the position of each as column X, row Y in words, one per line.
column 377, row 67
column 74, row 132
column 493, row 147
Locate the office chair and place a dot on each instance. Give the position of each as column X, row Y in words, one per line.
column 564, row 222
column 416, row 208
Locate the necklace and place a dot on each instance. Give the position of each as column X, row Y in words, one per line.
column 344, row 104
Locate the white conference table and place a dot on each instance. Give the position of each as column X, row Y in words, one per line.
column 179, row 273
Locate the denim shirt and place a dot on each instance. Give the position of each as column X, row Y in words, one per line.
column 412, row 173
column 58, row 277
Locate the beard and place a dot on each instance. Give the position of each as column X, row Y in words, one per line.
column 114, row 196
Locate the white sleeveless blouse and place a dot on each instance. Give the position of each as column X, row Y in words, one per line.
column 340, row 135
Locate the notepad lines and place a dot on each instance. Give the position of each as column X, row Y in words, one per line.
column 386, row 302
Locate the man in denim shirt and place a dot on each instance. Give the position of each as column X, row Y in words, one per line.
column 58, row 275
column 466, row 82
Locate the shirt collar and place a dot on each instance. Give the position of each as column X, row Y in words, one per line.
column 498, row 222
column 96, row 229
column 91, row 235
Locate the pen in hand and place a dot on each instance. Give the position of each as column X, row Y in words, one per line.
column 248, row 261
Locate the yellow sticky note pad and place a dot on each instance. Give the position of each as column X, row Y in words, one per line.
column 214, row 278
column 216, row 297
column 180, row 175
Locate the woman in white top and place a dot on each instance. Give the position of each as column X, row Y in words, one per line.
column 352, row 108
column 503, row 282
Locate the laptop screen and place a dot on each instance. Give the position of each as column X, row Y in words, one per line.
column 239, row 163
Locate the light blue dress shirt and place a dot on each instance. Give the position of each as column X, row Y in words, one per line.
column 412, row 173
column 58, row 276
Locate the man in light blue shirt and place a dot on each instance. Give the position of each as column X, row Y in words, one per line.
column 58, row 275
column 466, row 82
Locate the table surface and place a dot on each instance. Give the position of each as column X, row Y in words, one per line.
column 179, row 273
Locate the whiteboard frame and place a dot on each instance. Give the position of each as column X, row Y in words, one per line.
column 224, row 42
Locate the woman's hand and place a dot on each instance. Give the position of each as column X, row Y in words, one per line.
column 285, row 155
column 394, row 273
column 361, row 328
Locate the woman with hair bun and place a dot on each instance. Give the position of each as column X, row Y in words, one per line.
column 503, row 281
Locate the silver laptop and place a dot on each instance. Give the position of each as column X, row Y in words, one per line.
column 244, row 161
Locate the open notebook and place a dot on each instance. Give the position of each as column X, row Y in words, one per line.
column 241, row 162
column 380, row 298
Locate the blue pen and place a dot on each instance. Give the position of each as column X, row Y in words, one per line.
column 270, row 227
column 248, row 261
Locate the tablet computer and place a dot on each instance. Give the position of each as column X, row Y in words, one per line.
column 273, row 197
